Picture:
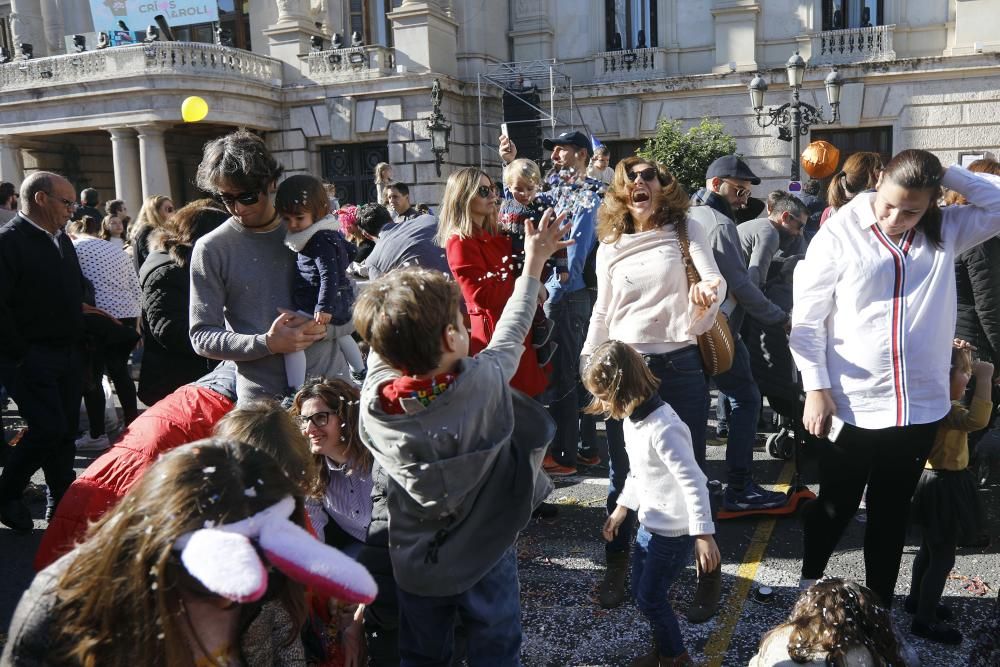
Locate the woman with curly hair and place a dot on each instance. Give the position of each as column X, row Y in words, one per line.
column 644, row 300
column 836, row 622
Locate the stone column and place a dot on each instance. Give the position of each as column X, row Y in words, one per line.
column 289, row 38
column 153, row 158
column 11, row 169
column 735, row 34
column 125, row 152
column 426, row 37
column 26, row 24
column 54, row 27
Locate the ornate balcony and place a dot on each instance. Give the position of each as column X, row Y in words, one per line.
column 630, row 65
column 854, row 45
column 350, row 64
column 183, row 58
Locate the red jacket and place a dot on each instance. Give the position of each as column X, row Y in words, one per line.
column 184, row 416
column 484, row 270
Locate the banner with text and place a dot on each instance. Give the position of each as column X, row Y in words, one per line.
column 137, row 14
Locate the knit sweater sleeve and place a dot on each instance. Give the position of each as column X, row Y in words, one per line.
column 209, row 335
column 597, row 332
column 673, row 446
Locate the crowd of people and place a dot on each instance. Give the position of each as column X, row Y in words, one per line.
column 355, row 409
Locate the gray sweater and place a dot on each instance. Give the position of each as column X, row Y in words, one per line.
column 239, row 279
column 465, row 472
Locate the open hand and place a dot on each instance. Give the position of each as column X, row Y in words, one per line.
column 542, row 241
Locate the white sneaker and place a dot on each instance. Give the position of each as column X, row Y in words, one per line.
column 85, row 443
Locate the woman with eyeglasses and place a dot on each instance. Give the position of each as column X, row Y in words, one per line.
column 344, row 510
column 154, row 214
column 481, row 260
column 644, row 300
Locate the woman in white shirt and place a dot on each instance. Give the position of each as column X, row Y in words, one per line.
column 872, row 327
column 644, row 300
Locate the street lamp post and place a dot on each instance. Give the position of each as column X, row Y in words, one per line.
column 439, row 128
column 793, row 119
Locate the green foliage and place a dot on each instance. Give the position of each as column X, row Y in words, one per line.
column 688, row 154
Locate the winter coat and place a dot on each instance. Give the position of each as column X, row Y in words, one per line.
column 465, row 471
column 188, row 414
column 482, row 267
column 262, row 642
column 977, row 274
column 321, row 282
column 168, row 359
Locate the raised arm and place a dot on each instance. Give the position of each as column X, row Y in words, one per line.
column 980, row 219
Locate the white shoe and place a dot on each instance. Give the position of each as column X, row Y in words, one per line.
column 85, row 443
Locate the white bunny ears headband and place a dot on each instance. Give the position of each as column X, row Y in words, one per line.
column 225, row 560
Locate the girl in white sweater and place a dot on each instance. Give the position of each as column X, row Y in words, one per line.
column 665, row 487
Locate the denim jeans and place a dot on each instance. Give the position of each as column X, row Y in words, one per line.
column 571, row 316
column 490, row 613
column 656, row 562
column 684, row 386
column 739, row 386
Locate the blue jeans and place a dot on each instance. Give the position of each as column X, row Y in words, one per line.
column 571, row 316
column 739, row 386
column 656, row 562
column 490, row 613
column 684, row 386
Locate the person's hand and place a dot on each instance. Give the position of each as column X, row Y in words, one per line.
column 322, row 318
column 613, row 522
column 353, row 639
column 819, row 408
column 705, row 293
column 508, row 149
column 543, row 296
column 291, row 332
column 563, row 278
column 94, row 310
column 706, row 553
column 960, row 344
column 542, row 241
column 982, row 369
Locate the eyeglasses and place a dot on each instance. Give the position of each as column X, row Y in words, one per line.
column 740, row 191
column 486, row 191
column 317, row 419
column 647, row 174
column 245, row 198
column 71, row 205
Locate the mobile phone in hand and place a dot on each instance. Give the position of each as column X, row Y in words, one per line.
column 836, row 426
column 503, row 129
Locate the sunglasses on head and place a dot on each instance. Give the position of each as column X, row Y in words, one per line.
column 244, row 198
column 486, row 191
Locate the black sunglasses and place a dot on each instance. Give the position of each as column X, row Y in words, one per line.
column 647, row 174
column 245, row 198
column 318, row 419
column 486, row 191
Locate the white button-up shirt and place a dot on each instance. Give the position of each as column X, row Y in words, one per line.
column 874, row 320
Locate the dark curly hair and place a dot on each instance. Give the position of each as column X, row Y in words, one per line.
column 372, row 218
column 670, row 206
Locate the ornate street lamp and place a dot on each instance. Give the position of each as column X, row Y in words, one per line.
column 793, row 119
column 440, row 129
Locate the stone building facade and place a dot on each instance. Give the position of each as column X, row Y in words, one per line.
column 918, row 73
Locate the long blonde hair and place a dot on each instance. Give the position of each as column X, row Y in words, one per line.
column 455, row 218
column 670, row 206
column 149, row 216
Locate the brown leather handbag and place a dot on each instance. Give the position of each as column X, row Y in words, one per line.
column 716, row 345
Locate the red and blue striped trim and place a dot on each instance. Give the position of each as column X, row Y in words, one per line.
column 897, row 342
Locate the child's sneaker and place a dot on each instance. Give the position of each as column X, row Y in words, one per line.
column 546, row 353
column 541, row 333
column 752, row 497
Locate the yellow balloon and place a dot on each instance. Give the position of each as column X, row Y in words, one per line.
column 194, row 109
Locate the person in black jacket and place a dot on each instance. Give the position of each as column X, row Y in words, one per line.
column 41, row 322
column 169, row 361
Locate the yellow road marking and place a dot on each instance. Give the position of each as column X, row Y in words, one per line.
column 732, row 607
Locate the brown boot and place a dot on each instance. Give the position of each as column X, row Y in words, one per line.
column 651, row 659
column 706, row 597
column 612, row 590
column 683, row 660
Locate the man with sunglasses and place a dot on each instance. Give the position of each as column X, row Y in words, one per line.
column 242, row 273
column 727, row 185
column 41, row 323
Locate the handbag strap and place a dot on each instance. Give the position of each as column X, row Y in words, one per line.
column 689, row 267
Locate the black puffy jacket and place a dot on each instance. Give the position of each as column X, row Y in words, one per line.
column 977, row 274
column 168, row 360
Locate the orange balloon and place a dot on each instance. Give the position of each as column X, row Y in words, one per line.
column 820, row 159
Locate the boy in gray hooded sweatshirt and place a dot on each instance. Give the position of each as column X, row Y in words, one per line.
column 463, row 452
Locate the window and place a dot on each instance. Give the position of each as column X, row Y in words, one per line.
column 630, row 24
column 841, row 14
column 6, row 37
column 234, row 16
column 351, row 169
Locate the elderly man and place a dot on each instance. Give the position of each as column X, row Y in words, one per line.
column 41, row 322
column 241, row 276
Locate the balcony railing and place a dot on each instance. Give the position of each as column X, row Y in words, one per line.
column 157, row 58
column 630, row 65
column 854, row 45
column 350, row 64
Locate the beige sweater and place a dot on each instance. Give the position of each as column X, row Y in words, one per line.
column 642, row 291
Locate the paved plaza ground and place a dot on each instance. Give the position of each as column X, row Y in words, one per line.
column 561, row 562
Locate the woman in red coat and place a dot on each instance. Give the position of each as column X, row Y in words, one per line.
column 481, row 261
